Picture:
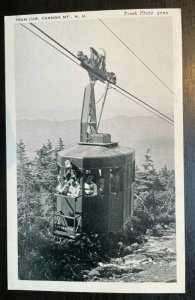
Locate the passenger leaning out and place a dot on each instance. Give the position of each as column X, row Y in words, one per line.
column 64, row 185
column 74, row 188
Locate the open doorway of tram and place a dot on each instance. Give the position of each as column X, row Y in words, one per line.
column 72, row 185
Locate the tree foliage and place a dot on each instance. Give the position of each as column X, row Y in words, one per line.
column 154, row 193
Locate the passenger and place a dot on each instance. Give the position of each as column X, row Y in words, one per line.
column 74, row 188
column 68, row 178
column 67, row 183
column 58, row 179
column 60, row 186
column 63, row 186
column 90, row 186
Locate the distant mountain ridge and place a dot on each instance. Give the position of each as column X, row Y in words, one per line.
column 140, row 133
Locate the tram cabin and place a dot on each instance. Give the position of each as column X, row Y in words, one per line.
column 95, row 189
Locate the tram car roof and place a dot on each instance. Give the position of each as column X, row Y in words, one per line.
column 88, row 156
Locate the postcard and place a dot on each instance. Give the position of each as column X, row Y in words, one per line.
column 95, row 175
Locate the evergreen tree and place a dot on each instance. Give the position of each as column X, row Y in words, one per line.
column 167, row 194
column 60, row 145
column 24, row 186
column 45, row 180
column 45, row 171
column 151, row 187
column 145, row 182
column 29, row 208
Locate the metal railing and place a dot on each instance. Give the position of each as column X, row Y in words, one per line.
column 63, row 221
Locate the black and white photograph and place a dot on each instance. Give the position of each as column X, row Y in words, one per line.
column 95, row 151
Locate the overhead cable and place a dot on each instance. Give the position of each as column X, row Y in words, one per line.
column 54, row 40
column 164, row 119
column 143, row 102
column 50, row 44
column 136, row 55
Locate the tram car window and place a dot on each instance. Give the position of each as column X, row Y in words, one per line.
column 101, row 182
column 116, row 180
column 101, row 186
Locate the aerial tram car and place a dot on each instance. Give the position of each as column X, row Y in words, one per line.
column 95, row 177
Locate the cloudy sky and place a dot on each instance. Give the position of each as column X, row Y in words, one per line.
column 49, row 86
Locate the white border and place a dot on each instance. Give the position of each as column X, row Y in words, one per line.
column 105, row 287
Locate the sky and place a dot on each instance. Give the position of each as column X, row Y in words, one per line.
column 49, row 86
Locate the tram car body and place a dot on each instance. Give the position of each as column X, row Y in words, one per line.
column 109, row 204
